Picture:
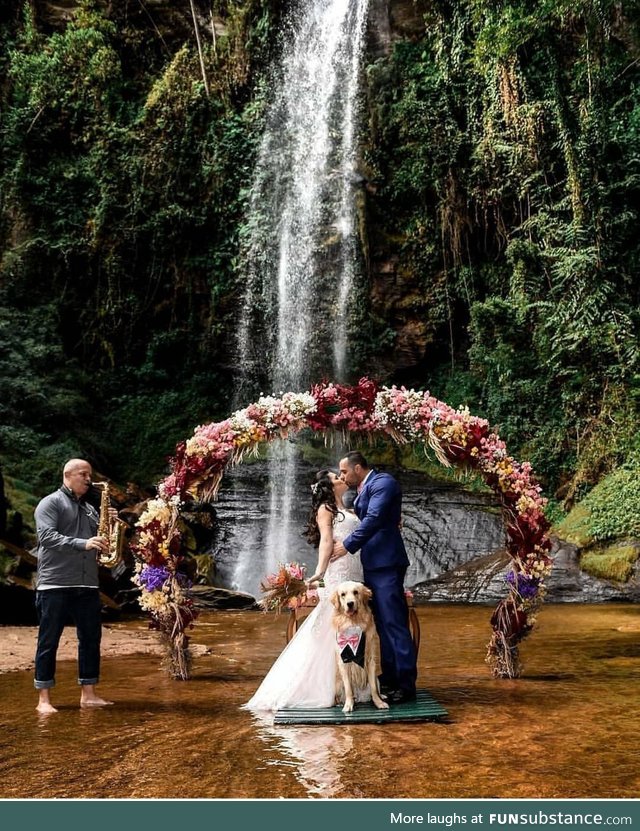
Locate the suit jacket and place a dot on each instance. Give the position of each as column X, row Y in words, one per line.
column 379, row 507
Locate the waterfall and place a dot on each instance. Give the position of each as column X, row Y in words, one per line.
column 301, row 252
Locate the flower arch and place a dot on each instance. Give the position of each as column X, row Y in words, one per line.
column 363, row 410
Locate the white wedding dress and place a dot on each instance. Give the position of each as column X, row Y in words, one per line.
column 304, row 674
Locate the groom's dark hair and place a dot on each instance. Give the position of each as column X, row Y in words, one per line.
column 355, row 457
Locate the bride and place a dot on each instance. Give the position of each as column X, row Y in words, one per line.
column 304, row 674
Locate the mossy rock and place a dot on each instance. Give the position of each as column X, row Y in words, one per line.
column 615, row 562
column 576, row 527
column 611, row 511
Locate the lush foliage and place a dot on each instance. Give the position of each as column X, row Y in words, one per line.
column 501, row 201
column 503, row 152
column 610, row 511
column 407, row 417
column 122, row 194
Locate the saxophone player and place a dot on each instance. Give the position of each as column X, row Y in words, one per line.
column 67, row 583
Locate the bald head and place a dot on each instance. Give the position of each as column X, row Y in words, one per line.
column 77, row 476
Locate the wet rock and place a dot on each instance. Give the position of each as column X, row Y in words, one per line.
column 393, row 20
column 482, row 581
column 210, row 597
column 379, row 29
column 445, row 527
column 407, row 18
column 478, row 581
column 569, row 584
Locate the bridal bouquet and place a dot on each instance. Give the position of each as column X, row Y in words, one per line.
column 286, row 589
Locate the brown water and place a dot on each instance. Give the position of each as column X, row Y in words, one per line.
column 569, row 728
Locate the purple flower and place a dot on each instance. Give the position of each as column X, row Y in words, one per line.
column 153, row 577
column 527, row 587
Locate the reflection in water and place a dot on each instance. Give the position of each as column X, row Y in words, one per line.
column 569, row 728
column 317, row 754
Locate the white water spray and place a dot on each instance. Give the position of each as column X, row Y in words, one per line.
column 302, row 251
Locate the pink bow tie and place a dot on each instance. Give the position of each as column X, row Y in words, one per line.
column 348, row 640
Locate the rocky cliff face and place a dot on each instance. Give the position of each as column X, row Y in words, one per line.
column 445, row 527
column 482, row 581
column 169, row 21
column 393, row 20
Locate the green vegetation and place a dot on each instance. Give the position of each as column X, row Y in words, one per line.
column 23, row 502
column 123, row 185
column 613, row 563
column 503, row 150
column 500, row 147
column 610, row 511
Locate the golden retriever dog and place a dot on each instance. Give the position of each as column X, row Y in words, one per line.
column 357, row 645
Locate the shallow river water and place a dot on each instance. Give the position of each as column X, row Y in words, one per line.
column 569, row 728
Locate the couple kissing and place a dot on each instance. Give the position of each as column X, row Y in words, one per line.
column 363, row 545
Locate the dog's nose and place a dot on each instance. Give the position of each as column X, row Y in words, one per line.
column 350, row 604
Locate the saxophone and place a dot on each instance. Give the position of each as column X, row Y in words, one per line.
column 111, row 529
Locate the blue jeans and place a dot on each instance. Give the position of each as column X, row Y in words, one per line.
column 55, row 607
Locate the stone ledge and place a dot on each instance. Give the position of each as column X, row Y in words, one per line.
column 482, row 581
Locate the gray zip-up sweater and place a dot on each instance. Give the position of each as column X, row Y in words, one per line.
column 63, row 525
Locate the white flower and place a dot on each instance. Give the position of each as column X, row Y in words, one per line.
column 299, row 404
column 241, row 423
column 158, row 509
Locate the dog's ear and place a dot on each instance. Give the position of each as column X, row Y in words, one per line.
column 335, row 600
column 367, row 594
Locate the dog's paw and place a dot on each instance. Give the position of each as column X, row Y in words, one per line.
column 380, row 704
column 348, row 706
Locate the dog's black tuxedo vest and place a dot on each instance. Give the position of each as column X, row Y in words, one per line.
column 351, row 645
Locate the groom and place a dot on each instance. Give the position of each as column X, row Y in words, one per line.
column 384, row 560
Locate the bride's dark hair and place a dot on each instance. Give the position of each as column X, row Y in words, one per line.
column 321, row 494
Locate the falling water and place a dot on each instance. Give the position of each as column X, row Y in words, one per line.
column 302, row 252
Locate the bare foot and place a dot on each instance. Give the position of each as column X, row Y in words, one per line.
column 44, row 708
column 94, row 702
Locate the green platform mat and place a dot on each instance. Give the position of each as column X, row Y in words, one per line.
column 424, row 708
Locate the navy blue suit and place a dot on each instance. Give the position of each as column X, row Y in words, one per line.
column 385, row 561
